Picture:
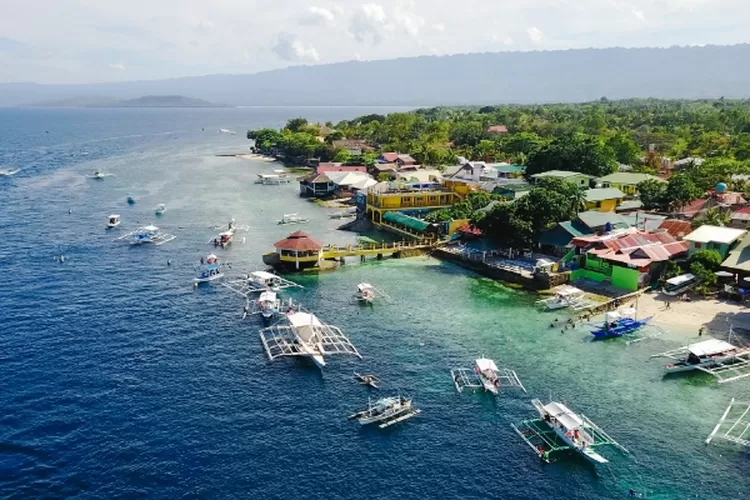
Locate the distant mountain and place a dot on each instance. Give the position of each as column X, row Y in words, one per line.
column 489, row 78
column 149, row 101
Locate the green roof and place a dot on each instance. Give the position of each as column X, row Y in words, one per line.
column 594, row 219
column 739, row 258
column 628, row 178
column 508, row 169
column 562, row 174
column 601, row 194
column 405, row 220
column 562, row 234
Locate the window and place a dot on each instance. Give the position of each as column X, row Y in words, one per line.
column 697, row 245
column 598, row 204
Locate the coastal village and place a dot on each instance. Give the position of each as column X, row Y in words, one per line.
column 613, row 247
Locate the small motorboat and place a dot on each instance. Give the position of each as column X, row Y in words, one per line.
column 368, row 380
column 209, row 270
column 386, row 412
column 131, row 200
column 367, row 294
column 160, row 209
column 113, row 221
column 292, row 219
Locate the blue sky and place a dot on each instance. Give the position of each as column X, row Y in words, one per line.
column 81, row 41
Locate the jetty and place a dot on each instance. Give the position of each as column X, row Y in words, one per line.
column 300, row 251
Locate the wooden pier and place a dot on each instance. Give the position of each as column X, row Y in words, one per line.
column 342, row 251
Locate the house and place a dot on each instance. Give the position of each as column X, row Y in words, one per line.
column 323, row 168
column 346, row 183
column 405, row 160
column 387, row 158
column 383, row 198
column 423, row 176
column 740, row 219
column 738, row 259
column 676, row 227
column 512, row 191
column 626, row 182
column 355, row 147
column 645, row 221
column 576, row 178
column 628, row 260
column 603, row 199
column 688, row 162
column 628, row 206
column 316, row 186
column 721, row 239
column 719, row 197
column 497, row 129
column 383, row 168
column 557, row 239
column 505, row 170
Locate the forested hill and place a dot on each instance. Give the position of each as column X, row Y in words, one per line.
column 505, row 77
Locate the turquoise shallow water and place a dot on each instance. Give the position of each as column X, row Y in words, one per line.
column 121, row 380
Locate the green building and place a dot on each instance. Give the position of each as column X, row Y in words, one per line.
column 577, row 178
column 721, row 239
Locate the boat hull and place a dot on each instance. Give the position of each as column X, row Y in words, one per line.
column 208, row 279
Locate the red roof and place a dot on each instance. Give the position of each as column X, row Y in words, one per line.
column 497, row 129
column 468, row 229
column 299, row 241
column 677, row 228
column 634, row 249
column 332, row 167
column 741, row 214
column 389, row 157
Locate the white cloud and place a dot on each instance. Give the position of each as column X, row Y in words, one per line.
column 317, row 16
column 407, row 20
column 535, row 35
column 290, row 48
column 370, row 23
column 639, row 15
column 507, row 41
column 117, row 67
column 438, row 27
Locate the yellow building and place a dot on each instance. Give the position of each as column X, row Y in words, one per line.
column 603, row 199
column 379, row 203
column 461, row 187
column 626, row 182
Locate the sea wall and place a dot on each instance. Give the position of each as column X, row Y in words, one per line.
column 529, row 281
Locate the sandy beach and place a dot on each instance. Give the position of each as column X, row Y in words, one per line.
column 711, row 313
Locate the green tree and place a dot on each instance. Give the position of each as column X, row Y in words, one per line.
column 713, row 217
column 652, row 194
column 296, row 124
column 680, row 191
column 467, row 133
column 342, row 156
column 709, row 259
column 706, row 278
column 625, row 148
column 265, row 138
column 383, row 177
column 575, row 152
column 442, row 215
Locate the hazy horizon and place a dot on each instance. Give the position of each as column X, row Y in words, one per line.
column 74, row 42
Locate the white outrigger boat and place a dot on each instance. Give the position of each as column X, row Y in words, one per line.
column 485, row 376
column 209, row 270
column 716, row 357
column 259, row 281
column 99, row 175
column 147, row 234
column 225, row 238
column 160, row 209
column 386, row 412
column 292, row 219
column 306, row 336
column 275, row 179
column 113, row 221
column 367, row 294
column 567, row 296
column 348, row 214
column 559, row 429
column 9, row 173
column 368, row 379
column 738, row 432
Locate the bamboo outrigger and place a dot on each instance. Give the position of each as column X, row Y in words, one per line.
column 485, row 376
column 386, row 412
column 739, row 430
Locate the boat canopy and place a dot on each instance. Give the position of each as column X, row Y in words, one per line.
column 263, row 275
column 564, row 415
column 622, row 313
column 364, row 286
column 151, row 228
column 484, row 364
column 304, row 325
column 680, row 280
column 267, row 296
column 710, row 347
column 114, row 216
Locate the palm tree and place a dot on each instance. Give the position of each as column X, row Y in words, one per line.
column 578, row 201
column 713, row 217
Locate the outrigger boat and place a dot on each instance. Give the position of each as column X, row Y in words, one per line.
column 619, row 323
column 367, row 294
column 209, row 270
column 225, row 238
column 273, row 179
column 485, row 376
column 559, row 429
column 147, row 234
column 739, row 430
column 386, row 412
column 9, row 173
column 368, row 380
column 269, row 305
column 349, row 214
column 99, row 175
column 160, row 209
column 716, row 357
column 305, row 335
column 567, row 296
column 131, row 200
column 259, row 281
column 292, row 219
column 113, row 221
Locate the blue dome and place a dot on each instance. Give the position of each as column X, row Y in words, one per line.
column 721, row 188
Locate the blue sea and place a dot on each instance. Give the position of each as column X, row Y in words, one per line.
column 120, row 380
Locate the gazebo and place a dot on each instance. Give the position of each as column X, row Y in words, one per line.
column 300, row 249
